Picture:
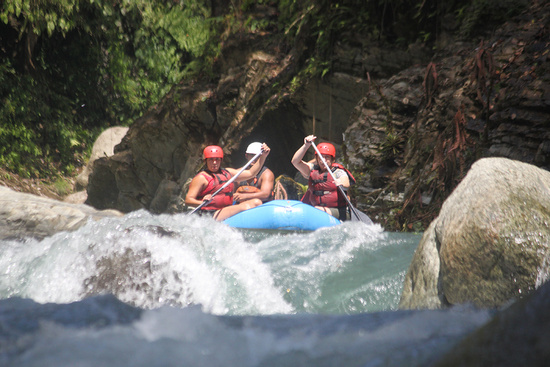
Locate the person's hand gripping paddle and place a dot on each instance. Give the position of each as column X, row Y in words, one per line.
column 356, row 215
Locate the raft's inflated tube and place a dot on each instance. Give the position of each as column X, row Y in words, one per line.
column 283, row 215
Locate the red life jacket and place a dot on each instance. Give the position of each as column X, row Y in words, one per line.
column 322, row 190
column 215, row 181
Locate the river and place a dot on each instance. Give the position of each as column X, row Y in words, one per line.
column 181, row 290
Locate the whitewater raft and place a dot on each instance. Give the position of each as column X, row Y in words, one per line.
column 289, row 215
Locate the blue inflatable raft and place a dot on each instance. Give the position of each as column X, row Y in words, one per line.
column 283, row 215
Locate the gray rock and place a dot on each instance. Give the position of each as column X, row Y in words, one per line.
column 490, row 242
column 104, row 146
column 421, row 282
column 517, row 336
column 76, row 198
column 26, row 215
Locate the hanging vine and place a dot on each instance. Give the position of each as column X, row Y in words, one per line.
column 483, row 75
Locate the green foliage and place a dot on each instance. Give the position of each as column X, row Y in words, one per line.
column 392, row 145
column 35, row 131
column 71, row 68
column 326, row 22
column 256, row 25
column 62, row 187
column 41, row 15
column 329, row 22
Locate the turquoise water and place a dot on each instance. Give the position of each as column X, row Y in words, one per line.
column 158, row 290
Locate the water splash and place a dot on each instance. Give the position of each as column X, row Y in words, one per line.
column 147, row 261
column 151, row 261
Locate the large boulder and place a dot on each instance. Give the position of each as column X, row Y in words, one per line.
column 490, row 242
column 104, row 146
column 161, row 145
column 25, row 215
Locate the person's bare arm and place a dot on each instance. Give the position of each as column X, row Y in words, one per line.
column 252, row 171
column 198, row 184
column 297, row 160
column 342, row 178
column 267, row 181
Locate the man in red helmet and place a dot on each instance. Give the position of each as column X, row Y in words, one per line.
column 208, row 181
column 322, row 190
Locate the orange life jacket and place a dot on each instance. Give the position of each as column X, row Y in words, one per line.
column 254, row 182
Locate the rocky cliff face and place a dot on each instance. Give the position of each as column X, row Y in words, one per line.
column 407, row 122
column 416, row 134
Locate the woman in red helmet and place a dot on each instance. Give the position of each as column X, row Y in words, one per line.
column 322, row 190
column 208, row 181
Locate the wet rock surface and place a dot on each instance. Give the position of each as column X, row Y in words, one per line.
column 490, row 243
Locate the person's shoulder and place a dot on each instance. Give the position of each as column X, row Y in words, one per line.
column 267, row 175
column 338, row 172
column 203, row 175
column 227, row 169
column 201, row 178
column 338, row 165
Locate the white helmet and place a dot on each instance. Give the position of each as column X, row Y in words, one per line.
column 254, row 148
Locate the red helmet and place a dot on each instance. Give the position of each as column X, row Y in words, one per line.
column 212, row 151
column 326, row 148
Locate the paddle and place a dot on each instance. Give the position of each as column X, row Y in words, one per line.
column 227, row 183
column 356, row 215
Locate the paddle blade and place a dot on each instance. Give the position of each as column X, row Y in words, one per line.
column 357, row 216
